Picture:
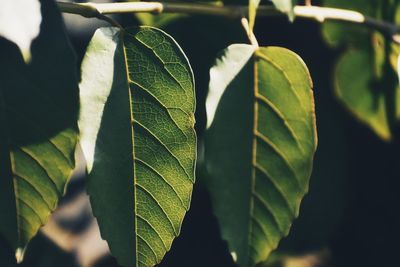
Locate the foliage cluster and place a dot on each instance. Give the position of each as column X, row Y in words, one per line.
column 133, row 114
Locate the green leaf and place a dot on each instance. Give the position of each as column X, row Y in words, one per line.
column 373, row 98
column 336, row 33
column 38, row 117
column 259, row 146
column 365, row 96
column 286, row 6
column 137, row 134
column 20, row 23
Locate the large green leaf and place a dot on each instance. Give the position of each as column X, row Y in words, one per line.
column 137, row 119
column 259, row 146
column 38, row 116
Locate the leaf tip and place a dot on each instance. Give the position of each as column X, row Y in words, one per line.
column 19, row 255
column 234, row 256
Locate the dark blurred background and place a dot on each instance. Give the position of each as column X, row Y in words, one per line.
column 350, row 216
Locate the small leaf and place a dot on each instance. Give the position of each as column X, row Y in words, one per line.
column 259, row 146
column 20, row 23
column 137, row 134
column 38, row 118
column 363, row 96
column 286, row 6
column 253, row 5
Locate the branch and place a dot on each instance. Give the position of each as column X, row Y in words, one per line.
column 319, row 14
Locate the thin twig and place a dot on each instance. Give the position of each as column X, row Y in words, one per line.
column 319, row 14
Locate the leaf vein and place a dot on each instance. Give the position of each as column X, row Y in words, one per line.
column 62, row 153
column 281, row 116
column 260, row 225
column 151, row 249
column 167, row 109
column 38, row 163
column 276, row 66
column 145, row 164
column 27, row 222
column 33, row 187
column 268, row 209
column 275, row 148
column 159, row 205
column 163, row 63
column 31, row 208
column 154, row 229
column 164, row 145
column 265, row 174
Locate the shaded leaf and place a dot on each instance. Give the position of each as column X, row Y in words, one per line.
column 259, row 146
column 336, row 33
column 20, row 23
column 253, row 5
column 137, row 119
column 43, row 252
column 38, row 114
column 285, row 6
column 363, row 96
column 373, row 98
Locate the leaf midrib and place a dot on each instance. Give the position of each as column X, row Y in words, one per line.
column 253, row 155
column 130, row 42
column 122, row 32
column 160, row 59
column 132, row 122
column 258, row 97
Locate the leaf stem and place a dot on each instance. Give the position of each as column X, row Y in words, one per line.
column 88, row 10
column 110, row 20
column 319, row 14
column 250, row 34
